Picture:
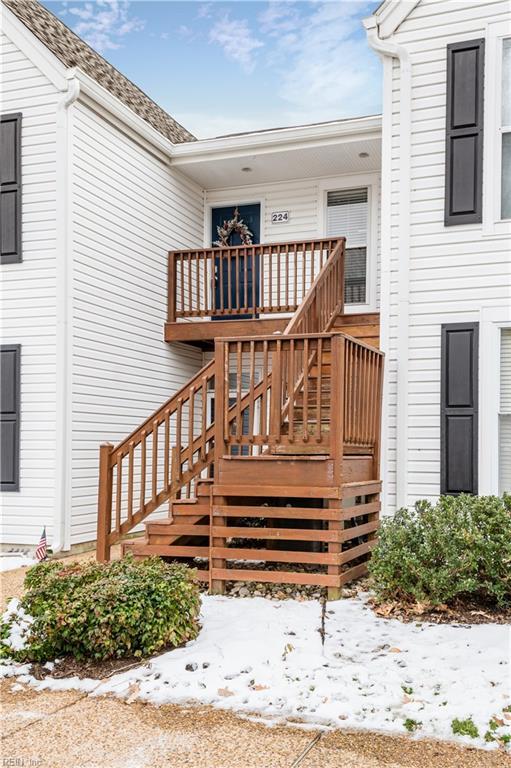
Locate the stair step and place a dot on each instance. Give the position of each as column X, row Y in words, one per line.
column 309, row 449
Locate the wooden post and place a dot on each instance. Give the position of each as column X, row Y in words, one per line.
column 221, row 400
column 336, row 451
column 171, row 288
column 104, row 503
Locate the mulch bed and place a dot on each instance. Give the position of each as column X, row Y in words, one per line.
column 94, row 668
column 469, row 611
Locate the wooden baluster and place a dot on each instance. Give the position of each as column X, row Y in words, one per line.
column 264, row 396
column 279, row 261
column 275, row 397
column 295, row 280
column 239, row 373
column 205, row 283
column 182, row 286
column 166, row 458
column 179, row 431
column 104, row 503
column 319, row 357
column 154, row 466
column 204, row 414
column 270, row 284
column 291, row 391
column 244, row 256
column 304, row 268
column 191, row 425
column 118, row 495
column 221, row 400
column 143, row 468
column 254, row 279
column 196, row 271
column 306, row 390
column 190, row 283
column 171, row 288
column 130, row 482
column 251, row 395
column 286, row 277
column 237, row 297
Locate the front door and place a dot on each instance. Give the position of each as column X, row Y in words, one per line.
column 251, row 215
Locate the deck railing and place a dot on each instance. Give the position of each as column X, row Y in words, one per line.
column 244, row 281
column 314, row 393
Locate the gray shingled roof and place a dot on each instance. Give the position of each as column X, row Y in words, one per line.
column 72, row 51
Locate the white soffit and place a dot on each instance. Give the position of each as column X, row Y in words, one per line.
column 283, row 155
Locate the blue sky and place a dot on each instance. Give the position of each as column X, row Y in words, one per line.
column 221, row 67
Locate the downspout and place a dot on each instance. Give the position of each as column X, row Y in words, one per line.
column 391, row 51
column 62, row 511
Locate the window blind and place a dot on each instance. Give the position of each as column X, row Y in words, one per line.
column 347, row 214
column 505, row 413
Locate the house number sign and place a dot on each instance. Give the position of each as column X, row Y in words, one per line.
column 277, row 217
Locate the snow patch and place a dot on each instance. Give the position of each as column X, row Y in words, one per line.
column 265, row 659
column 9, row 562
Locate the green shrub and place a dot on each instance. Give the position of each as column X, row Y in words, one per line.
column 465, row 727
column 97, row 611
column 434, row 553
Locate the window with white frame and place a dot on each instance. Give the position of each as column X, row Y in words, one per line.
column 348, row 215
column 505, row 413
column 505, row 125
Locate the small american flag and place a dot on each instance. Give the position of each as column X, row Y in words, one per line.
column 41, row 550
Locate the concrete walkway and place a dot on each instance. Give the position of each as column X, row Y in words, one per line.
column 73, row 730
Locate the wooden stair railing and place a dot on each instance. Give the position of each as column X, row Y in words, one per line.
column 171, row 448
column 176, row 445
column 325, row 298
column 125, row 476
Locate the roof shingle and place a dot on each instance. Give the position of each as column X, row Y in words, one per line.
column 72, row 51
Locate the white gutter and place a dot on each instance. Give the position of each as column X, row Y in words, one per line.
column 389, row 51
column 295, row 137
column 62, row 512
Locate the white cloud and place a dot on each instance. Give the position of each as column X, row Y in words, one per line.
column 322, row 58
column 237, row 41
column 104, row 23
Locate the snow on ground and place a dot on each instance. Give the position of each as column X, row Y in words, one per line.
column 9, row 562
column 267, row 657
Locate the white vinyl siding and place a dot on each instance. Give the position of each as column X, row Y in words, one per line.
column 347, row 212
column 28, row 297
column 455, row 271
column 129, row 210
column 505, row 413
column 506, row 130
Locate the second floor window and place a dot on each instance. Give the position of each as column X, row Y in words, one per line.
column 347, row 214
column 506, row 129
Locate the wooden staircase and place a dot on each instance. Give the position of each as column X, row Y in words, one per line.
column 287, row 471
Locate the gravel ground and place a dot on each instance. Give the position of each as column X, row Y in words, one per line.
column 72, row 730
column 63, row 729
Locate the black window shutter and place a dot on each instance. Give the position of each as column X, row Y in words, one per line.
column 464, row 133
column 10, row 194
column 10, row 416
column 459, row 408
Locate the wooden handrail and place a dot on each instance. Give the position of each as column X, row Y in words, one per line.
column 253, row 280
column 325, row 298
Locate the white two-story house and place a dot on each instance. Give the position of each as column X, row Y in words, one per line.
column 99, row 184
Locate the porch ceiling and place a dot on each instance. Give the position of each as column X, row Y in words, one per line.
column 281, row 156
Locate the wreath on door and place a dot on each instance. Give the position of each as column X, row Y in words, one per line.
column 233, row 226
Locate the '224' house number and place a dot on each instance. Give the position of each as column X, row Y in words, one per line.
column 278, row 217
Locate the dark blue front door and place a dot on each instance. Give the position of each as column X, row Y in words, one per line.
column 251, row 215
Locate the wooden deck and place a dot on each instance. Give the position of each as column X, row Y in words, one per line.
column 286, row 471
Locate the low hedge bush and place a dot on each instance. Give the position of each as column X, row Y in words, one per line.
column 434, row 553
column 103, row 611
